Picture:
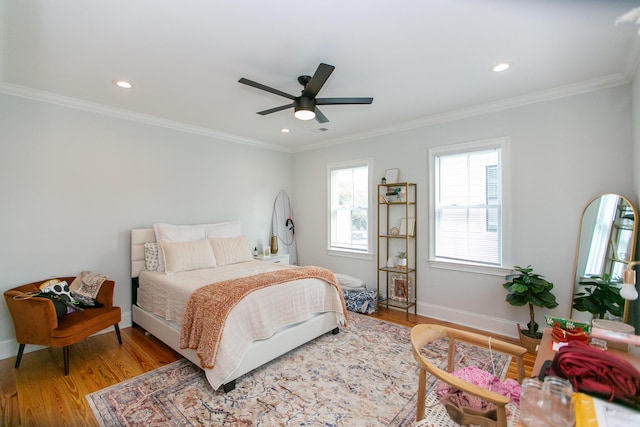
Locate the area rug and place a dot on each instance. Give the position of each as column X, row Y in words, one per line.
column 363, row 376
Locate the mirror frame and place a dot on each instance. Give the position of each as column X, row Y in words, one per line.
column 625, row 314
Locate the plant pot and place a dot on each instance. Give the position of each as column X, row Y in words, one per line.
column 402, row 263
column 531, row 344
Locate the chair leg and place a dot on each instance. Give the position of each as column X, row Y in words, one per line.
column 65, row 355
column 118, row 333
column 422, row 386
column 19, row 358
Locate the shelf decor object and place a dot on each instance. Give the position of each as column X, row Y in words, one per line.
column 391, row 176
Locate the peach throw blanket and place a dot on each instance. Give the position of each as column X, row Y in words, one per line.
column 209, row 306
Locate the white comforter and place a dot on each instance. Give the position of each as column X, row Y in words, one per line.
column 256, row 317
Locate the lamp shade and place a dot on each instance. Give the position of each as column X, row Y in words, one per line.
column 628, row 290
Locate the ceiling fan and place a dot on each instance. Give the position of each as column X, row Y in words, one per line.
column 305, row 105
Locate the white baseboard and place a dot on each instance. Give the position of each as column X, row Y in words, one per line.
column 9, row 348
column 491, row 324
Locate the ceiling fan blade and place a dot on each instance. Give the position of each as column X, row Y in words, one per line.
column 339, row 101
column 318, row 80
column 265, row 88
column 275, row 109
column 320, row 118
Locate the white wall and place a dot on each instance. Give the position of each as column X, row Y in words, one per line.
column 562, row 154
column 73, row 184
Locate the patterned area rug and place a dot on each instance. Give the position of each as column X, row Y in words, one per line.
column 363, row 376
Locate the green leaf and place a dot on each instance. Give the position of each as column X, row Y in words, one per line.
column 516, row 300
column 519, row 288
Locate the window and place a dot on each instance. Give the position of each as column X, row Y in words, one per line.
column 467, row 209
column 600, row 241
column 349, row 206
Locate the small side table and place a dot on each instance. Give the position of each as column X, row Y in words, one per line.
column 545, row 352
column 276, row 259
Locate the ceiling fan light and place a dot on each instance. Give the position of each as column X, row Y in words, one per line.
column 304, row 108
column 302, row 114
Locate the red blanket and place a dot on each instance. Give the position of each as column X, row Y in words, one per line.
column 209, row 306
column 597, row 372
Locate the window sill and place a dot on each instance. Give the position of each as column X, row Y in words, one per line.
column 470, row 268
column 350, row 254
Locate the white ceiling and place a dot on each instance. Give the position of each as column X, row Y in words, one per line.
column 423, row 61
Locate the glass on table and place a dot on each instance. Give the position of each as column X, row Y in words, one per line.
column 559, row 406
column 531, row 404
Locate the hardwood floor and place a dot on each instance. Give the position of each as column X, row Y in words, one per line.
column 38, row 393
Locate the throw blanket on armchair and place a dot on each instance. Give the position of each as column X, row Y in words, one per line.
column 88, row 284
column 209, row 306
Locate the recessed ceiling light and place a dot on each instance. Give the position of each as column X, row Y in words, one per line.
column 501, row 67
column 123, row 84
column 285, row 130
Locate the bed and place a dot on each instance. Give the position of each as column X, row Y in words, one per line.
column 263, row 325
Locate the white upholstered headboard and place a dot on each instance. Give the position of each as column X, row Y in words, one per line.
column 139, row 236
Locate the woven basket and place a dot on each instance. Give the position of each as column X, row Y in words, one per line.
column 531, row 344
column 614, row 326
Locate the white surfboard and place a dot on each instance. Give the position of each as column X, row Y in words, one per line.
column 283, row 227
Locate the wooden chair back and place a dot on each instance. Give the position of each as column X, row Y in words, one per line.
column 424, row 334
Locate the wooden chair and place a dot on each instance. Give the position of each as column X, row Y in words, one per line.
column 424, row 334
column 35, row 320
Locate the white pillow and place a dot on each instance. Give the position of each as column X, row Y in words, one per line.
column 224, row 229
column 151, row 256
column 185, row 256
column 231, row 250
column 350, row 282
column 176, row 233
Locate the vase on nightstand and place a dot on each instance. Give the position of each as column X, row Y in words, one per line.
column 274, row 244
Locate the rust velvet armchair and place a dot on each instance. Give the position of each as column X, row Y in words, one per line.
column 35, row 319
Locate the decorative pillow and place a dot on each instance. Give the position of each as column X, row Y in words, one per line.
column 151, row 256
column 58, row 291
column 231, row 250
column 185, row 256
column 350, row 282
column 176, row 233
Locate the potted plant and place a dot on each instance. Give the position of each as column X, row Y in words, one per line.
column 528, row 288
column 402, row 259
column 600, row 296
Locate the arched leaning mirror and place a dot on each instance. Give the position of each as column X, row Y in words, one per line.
column 606, row 244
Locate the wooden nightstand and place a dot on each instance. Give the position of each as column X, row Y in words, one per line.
column 277, row 258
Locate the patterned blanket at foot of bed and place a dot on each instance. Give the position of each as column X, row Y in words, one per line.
column 365, row 301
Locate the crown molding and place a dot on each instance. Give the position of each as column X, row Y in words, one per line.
column 505, row 104
column 492, row 107
column 69, row 102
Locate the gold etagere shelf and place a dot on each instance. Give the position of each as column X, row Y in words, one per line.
column 397, row 233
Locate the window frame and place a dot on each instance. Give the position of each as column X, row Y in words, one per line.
column 347, row 252
column 501, row 143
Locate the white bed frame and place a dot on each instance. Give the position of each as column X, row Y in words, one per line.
column 259, row 353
